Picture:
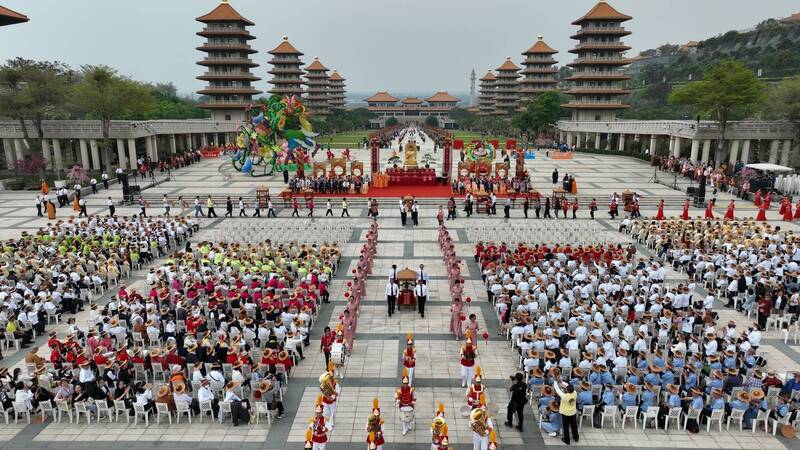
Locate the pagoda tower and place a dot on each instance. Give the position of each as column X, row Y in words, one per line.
column 227, row 63
column 336, row 97
column 317, row 91
column 596, row 90
column 286, row 72
column 540, row 71
column 506, row 94
column 486, row 98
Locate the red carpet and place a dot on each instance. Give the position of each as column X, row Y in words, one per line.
column 435, row 191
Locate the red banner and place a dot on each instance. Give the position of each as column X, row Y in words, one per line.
column 447, row 158
column 458, row 144
column 375, row 151
column 495, row 143
column 511, row 144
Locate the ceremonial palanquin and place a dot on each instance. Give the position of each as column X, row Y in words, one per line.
column 279, row 136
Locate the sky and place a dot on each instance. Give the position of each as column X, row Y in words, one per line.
column 400, row 46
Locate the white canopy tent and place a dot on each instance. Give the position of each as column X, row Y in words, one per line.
column 766, row 167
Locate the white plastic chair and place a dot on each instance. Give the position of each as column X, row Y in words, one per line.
column 673, row 414
column 46, row 409
column 224, row 409
column 630, row 413
column 716, row 414
column 121, row 408
column 80, row 408
column 763, row 418
column 692, row 414
column 782, row 421
column 263, row 408
column 650, row 413
column 103, row 408
column 736, row 415
column 206, row 407
column 21, row 409
column 182, row 408
column 609, row 411
column 162, row 409
column 63, row 408
column 138, row 410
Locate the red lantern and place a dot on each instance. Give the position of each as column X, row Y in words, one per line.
column 463, row 317
column 349, row 283
column 469, row 299
column 354, row 270
column 341, row 317
column 346, row 294
column 485, row 337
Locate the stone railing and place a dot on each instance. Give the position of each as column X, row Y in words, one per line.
column 120, row 129
column 688, row 129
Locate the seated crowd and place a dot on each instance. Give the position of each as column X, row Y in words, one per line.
column 341, row 184
column 217, row 327
column 606, row 322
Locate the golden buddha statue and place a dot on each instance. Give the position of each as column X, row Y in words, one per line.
column 410, row 155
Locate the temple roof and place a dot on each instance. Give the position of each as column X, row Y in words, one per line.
column 285, row 48
column 602, row 11
column 508, row 65
column 336, row 77
column 541, row 47
column 442, row 97
column 224, row 12
column 316, row 65
column 489, row 76
column 9, row 17
column 382, row 96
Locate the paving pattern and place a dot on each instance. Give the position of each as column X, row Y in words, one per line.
column 374, row 369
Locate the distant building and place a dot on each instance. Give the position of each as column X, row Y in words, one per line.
column 411, row 110
column 506, row 93
column 336, row 91
column 486, row 99
column 227, row 63
column 9, row 17
column 539, row 72
column 596, row 91
column 690, row 47
column 286, row 73
column 794, row 18
column 317, row 89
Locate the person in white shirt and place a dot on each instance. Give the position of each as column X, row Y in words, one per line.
column 392, row 291
column 24, row 395
column 421, row 293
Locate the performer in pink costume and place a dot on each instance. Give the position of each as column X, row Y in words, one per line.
column 456, row 310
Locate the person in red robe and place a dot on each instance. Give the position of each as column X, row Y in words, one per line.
column 685, row 213
column 709, row 210
column 729, row 212
column 757, row 200
column 660, row 213
column 762, row 213
column 784, row 201
column 787, row 211
column 797, row 210
column 768, row 199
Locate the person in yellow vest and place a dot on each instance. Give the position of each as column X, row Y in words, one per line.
column 568, row 409
column 210, row 206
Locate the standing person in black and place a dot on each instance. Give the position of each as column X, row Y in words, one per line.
column 518, row 400
column 547, row 208
column 537, row 206
column 555, row 176
column 228, row 208
column 525, row 206
column 403, row 212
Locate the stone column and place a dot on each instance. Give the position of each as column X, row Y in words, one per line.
column 48, row 158
column 706, row 151
column 672, row 146
column 597, row 141
column 9, row 153
column 84, row 154
column 58, row 158
column 203, row 140
column 19, row 146
column 149, row 146
column 173, row 146
column 570, row 138
column 678, row 145
column 695, row 150
column 95, row 154
column 734, row 156
column 132, row 153
column 121, row 152
column 745, row 151
column 773, row 151
column 155, row 148
column 187, row 142
column 621, row 144
column 653, row 144
column 787, row 152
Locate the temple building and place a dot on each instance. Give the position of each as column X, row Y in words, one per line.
column 596, row 90
column 336, row 96
column 486, row 97
column 9, row 17
column 227, row 63
column 411, row 110
column 286, row 72
column 539, row 72
column 506, row 95
column 317, row 89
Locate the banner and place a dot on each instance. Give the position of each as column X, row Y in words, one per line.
column 511, row 144
column 561, row 155
column 458, row 144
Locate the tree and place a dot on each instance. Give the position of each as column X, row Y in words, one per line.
column 103, row 95
column 34, row 90
column 783, row 102
column 726, row 89
column 432, row 121
column 540, row 114
column 391, row 121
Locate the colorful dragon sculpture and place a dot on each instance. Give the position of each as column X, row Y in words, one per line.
column 279, row 135
column 479, row 156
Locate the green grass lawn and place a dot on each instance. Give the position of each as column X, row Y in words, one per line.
column 468, row 136
column 346, row 139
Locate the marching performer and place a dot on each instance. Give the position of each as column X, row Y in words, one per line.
column 406, row 399
column 481, row 426
column 438, row 428
column 475, row 390
column 338, row 353
column 468, row 354
column 375, row 427
column 410, row 358
column 318, row 428
column 493, row 440
column 444, row 444
column 309, row 440
column 330, row 394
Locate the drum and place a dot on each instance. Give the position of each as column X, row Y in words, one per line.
column 337, row 354
column 406, row 414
